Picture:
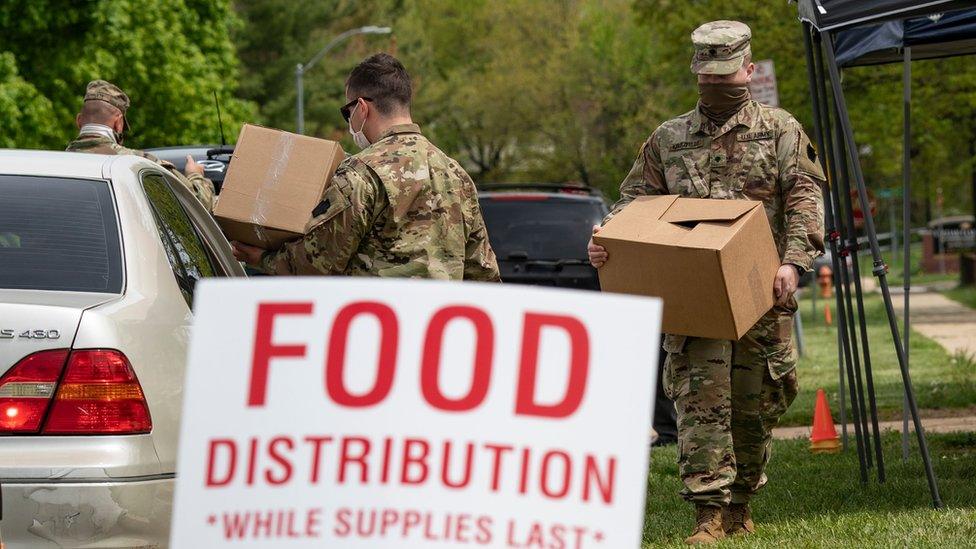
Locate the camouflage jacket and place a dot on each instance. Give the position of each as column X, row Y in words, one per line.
column 399, row 208
column 761, row 153
column 200, row 186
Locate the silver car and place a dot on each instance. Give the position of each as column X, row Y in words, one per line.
column 99, row 256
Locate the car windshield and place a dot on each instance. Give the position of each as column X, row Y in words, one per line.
column 58, row 234
column 540, row 227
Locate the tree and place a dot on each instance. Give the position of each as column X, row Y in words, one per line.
column 603, row 94
column 477, row 68
column 26, row 116
column 567, row 90
column 279, row 34
column 170, row 56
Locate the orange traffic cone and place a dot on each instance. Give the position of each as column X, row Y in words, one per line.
column 823, row 439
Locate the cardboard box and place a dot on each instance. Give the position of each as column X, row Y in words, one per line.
column 274, row 181
column 712, row 261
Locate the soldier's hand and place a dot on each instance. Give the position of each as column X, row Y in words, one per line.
column 247, row 253
column 598, row 254
column 192, row 167
column 787, row 278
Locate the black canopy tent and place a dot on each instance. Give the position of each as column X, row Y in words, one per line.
column 933, row 36
column 860, row 32
column 830, row 15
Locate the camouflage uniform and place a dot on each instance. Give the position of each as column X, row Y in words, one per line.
column 99, row 143
column 729, row 394
column 399, row 208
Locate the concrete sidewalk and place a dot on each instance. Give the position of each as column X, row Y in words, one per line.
column 950, row 323
column 930, row 425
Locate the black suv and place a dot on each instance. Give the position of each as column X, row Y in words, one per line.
column 213, row 158
column 539, row 232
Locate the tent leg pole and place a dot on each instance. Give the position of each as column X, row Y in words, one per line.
column 853, row 363
column 849, row 252
column 906, row 210
column 822, row 131
column 880, row 269
column 858, row 307
column 818, row 129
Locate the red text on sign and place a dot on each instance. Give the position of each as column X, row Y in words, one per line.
column 526, row 404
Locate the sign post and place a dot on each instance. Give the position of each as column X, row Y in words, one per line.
column 763, row 86
column 370, row 413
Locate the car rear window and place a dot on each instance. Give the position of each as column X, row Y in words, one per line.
column 540, row 227
column 58, row 234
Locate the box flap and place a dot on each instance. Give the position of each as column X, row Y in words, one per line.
column 638, row 220
column 698, row 209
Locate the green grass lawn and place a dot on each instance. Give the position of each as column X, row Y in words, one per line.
column 817, row 500
column 963, row 294
column 944, row 385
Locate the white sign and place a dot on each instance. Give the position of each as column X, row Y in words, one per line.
column 380, row 413
column 763, row 84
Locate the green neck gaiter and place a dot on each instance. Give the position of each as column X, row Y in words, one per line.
column 719, row 102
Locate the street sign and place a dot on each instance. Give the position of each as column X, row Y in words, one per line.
column 348, row 412
column 763, row 85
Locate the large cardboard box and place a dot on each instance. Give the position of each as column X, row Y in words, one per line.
column 712, row 261
column 274, row 181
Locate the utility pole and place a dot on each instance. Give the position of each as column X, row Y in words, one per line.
column 301, row 69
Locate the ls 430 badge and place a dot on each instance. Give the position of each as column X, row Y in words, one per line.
column 10, row 333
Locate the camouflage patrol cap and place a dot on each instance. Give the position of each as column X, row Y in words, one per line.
column 108, row 92
column 720, row 47
column 101, row 90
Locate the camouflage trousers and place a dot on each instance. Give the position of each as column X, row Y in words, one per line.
column 729, row 395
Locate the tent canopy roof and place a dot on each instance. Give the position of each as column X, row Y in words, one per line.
column 940, row 35
column 838, row 14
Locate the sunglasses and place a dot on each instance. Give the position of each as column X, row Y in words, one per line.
column 346, row 109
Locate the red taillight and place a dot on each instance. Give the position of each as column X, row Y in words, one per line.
column 98, row 395
column 26, row 390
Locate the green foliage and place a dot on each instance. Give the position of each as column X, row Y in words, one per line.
column 26, row 116
column 566, row 90
column 280, row 34
column 479, row 66
column 170, row 56
column 560, row 90
column 516, row 90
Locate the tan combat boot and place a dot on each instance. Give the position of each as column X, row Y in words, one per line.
column 738, row 520
column 708, row 528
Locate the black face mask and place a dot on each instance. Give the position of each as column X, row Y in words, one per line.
column 719, row 102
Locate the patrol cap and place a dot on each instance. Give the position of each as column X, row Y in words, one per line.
column 101, row 90
column 720, row 47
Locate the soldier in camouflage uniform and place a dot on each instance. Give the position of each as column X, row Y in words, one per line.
column 730, row 394
column 398, row 208
column 101, row 123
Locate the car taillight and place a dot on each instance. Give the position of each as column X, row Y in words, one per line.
column 99, row 394
column 26, row 390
